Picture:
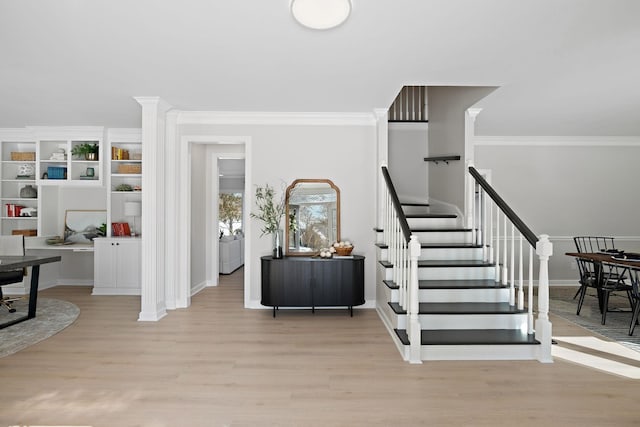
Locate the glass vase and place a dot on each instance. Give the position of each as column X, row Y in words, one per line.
column 277, row 244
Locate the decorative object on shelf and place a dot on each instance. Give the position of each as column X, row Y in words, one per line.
column 87, row 150
column 124, row 187
column 82, row 226
column 90, row 172
column 270, row 212
column 133, row 209
column 29, row 212
column 129, row 169
column 26, row 171
column 327, row 252
column 28, row 192
column 343, row 248
column 59, row 156
column 19, row 156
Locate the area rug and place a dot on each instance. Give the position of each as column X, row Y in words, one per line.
column 561, row 303
column 52, row 316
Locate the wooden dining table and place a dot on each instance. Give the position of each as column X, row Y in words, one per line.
column 601, row 257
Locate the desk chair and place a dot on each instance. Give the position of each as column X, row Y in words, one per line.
column 11, row 245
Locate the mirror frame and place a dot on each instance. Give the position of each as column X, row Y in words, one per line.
column 288, row 252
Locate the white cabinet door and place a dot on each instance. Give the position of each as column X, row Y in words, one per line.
column 103, row 265
column 117, row 266
column 128, row 262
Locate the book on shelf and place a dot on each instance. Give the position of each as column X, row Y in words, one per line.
column 120, row 229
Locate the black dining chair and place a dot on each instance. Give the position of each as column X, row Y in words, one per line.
column 634, row 277
column 594, row 244
column 614, row 279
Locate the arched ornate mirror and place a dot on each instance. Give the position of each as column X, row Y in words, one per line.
column 312, row 216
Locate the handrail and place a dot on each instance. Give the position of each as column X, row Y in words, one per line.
column 402, row 218
column 515, row 219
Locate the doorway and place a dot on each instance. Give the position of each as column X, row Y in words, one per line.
column 199, row 182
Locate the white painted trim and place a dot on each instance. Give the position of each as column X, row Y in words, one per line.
column 408, row 126
column 115, row 291
column 571, row 141
column 276, row 118
column 183, row 239
column 199, row 287
column 171, row 216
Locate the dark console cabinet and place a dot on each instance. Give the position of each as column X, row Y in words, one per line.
column 312, row 282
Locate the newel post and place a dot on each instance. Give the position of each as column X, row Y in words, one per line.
column 414, row 331
column 544, row 249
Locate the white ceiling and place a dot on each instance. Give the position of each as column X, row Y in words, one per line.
column 565, row 67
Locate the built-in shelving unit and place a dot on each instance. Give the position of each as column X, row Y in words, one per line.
column 17, row 158
column 124, row 180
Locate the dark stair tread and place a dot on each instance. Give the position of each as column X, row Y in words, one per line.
column 415, row 204
column 461, row 308
column 431, row 215
column 437, row 230
column 470, row 337
column 440, row 245
column 453, row 284
column 446, row 263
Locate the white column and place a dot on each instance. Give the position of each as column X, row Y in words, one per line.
column 414, row 332
column 171, row 257
column 544, row 249
column 153, row 300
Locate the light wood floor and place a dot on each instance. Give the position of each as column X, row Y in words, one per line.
column 217, row 364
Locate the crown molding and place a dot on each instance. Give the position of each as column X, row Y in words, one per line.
column 559, row 141
column 275, row 118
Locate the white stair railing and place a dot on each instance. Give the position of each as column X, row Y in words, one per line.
column 489, row 212
column 403, row 251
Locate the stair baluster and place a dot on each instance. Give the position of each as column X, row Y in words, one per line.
column 543, row 248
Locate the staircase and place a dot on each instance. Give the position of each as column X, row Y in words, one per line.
column 463, row 311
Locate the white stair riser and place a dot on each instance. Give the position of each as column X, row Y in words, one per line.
column 450, row 273
column 440, row 254
column 464, row 295
column 466, row 321
column 454, row 295
column 416, row 210
column 479, row 352
column 432, row 222
column 443, row 236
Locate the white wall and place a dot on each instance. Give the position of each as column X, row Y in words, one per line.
column 282, row 153
column 447, row 106
column 568, row 186
column 408, row 146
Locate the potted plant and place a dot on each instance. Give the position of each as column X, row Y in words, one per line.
column 86, row 150
column 270, row 211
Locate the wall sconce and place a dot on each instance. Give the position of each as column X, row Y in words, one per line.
column 133, row 209
column 320, row 14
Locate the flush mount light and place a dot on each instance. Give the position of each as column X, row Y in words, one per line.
column 320, row 14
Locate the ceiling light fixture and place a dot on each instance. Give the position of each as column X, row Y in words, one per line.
column 320, row 14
